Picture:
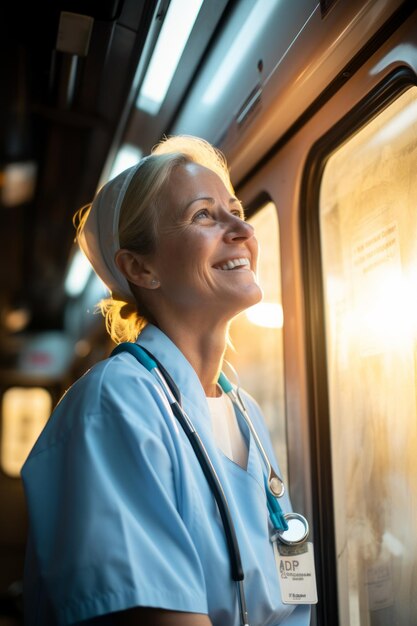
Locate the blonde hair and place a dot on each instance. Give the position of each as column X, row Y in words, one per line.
column 139, row 219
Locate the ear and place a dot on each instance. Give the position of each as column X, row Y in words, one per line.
column 136, row 268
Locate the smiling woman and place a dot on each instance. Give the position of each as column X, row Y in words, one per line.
column 201, row 238
column 136, row 519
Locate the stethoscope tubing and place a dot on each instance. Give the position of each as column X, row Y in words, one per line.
column 279, row 520
column 237, row 573
column 218, row 493
column 174, row 398
column 201, row 454
column 274, row 483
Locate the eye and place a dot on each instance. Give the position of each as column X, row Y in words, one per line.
column 201, row 215
column 238, row 213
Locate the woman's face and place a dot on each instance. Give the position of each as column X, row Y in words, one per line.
column 206, row 254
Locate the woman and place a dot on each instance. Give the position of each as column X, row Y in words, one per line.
column 124, row 528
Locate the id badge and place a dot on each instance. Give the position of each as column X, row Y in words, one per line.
column 296, row 572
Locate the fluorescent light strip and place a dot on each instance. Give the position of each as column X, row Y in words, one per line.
column 255, row 21
column 176, row 29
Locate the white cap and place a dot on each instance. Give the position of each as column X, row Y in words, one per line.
column 99, row 239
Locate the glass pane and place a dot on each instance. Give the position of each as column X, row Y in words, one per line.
column 368, row 223
column 25, row 412
column 257, row 336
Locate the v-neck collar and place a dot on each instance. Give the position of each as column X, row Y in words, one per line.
column 194, row 399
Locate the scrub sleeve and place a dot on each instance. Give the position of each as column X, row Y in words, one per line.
column 105, row 511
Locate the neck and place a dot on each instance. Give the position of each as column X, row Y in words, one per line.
column 204, row 349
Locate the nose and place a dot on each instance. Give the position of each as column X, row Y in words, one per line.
column 237, row 229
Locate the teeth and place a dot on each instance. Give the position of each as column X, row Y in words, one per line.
column 229, row 265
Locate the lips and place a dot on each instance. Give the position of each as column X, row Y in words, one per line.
column 232, row 264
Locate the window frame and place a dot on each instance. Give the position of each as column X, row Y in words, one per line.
column 378, row 99
column 54, row 393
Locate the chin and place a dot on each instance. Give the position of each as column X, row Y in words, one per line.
column 248, row 299
column 255, row 294
column 255, row 300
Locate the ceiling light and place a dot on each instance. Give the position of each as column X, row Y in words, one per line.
column 18, row 183
column 256, row 20
column 176, row 29
column 17, row 319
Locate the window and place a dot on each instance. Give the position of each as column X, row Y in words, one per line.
column 368, row 229
column 257, row 336
column 25, row 411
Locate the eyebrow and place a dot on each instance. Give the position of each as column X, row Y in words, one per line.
column 212, row 201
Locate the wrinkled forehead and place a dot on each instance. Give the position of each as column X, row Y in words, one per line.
column 191, row 181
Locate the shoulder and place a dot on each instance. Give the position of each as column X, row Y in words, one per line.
column 110, row 384
column 117, row 392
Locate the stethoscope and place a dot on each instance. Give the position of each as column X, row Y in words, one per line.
column 291, row 529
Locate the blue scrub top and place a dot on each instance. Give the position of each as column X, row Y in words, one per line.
column 121, row 514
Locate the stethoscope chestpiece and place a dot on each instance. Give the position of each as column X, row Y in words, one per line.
column 298, row 530
column 276, row 486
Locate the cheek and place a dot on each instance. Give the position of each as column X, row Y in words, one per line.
column 178, row 262
column 254, row 250
column 192, row 252
column 186, row 255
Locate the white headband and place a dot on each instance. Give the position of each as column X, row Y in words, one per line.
column 99, row 239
